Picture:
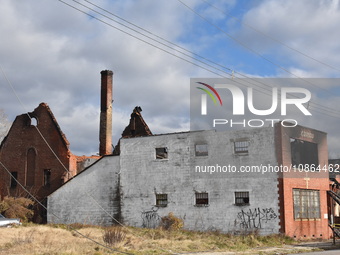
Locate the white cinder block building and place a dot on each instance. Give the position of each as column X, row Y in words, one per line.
column 155, row 175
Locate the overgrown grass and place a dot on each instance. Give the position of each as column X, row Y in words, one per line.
column 62, row 240
column 192, row 241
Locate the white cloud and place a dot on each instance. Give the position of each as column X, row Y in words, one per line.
column 307, row 26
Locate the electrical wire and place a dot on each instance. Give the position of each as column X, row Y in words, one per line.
column 148, row 37
column 160, row 37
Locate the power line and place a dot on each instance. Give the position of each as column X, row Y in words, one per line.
column 167, row 41
column 160, row 37
column 162, row 49
column 150, row 38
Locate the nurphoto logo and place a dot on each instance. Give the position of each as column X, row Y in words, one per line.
column 214, row 99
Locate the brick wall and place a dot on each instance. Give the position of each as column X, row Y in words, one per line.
column 25, row 152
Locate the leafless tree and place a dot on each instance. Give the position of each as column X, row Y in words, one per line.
column 4, row 125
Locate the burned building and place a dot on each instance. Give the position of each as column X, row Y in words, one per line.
column 36, row 153
column 26, row 154
column 137, row 128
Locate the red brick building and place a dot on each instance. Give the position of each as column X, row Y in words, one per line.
column 37, row 154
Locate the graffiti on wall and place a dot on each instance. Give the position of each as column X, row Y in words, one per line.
column 254, row 218
column 150, row 218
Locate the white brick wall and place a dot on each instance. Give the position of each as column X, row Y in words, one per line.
column 90, row 198
column 142, row 176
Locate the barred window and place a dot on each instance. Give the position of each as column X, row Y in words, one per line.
column 306, row 204
column 201, row 150
column 241, row 147
column 242, row 198
column 162, row 153
column 202, row 199
column 161, row 200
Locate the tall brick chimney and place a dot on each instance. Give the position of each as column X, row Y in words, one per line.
column 105, row 128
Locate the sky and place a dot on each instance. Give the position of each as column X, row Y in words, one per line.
column 53, row 53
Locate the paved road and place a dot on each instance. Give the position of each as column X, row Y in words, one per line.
column 333, row 252
column 327, row 247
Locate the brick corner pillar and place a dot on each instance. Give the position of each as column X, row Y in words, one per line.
column 105, row 128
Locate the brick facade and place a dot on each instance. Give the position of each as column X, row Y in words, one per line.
column 37, row 153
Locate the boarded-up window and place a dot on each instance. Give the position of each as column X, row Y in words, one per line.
column 162, row 153
column 161, row 200
column 241, row 147
column 202, row 199
column 242, row 198
column 201, row 150
column 304, row 153
column 306, row 204
column 30, row 167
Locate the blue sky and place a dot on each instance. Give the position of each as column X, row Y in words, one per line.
column 52, row 53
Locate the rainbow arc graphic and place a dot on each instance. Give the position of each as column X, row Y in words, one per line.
column 211, row 92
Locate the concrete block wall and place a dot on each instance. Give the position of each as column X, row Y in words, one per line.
column 92, row 197
column 143, row 176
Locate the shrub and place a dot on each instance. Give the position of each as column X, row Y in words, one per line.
column 12, row 207
column 171, row 222
column 113, row 235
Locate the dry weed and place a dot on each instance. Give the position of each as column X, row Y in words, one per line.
column 114, row 235
column 60, row 240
